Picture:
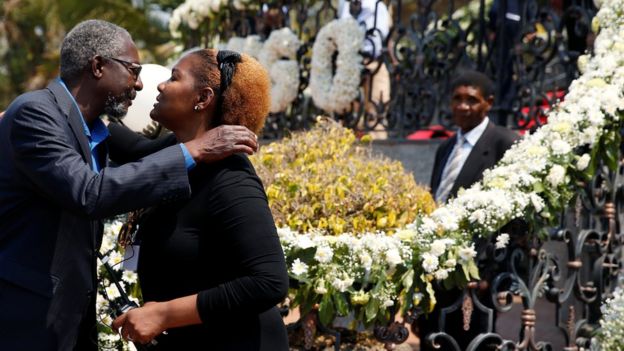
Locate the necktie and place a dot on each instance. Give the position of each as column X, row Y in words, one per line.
column 451, row 171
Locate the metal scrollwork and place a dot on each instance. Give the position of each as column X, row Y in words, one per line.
column 530, row 55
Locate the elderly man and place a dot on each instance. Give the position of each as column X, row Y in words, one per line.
column 55, row 187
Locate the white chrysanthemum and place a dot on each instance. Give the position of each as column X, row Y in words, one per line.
column 299, row 268
column 393, row 257
column 560, row 147
column 467, row 253
column 438, row 247
column 502, row 241
column 304, row 242
column 388, row 303
column 450, row 263
column 129, row 277
column 342, row 284
column 537, row 202
column 320, row 287
column 112, row 292
column 583, row 162
column 323, row 254
column 441, row 274
column 366, row 260
column 430, row 262
column 556, row 175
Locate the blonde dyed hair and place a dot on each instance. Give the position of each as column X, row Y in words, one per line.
column 247, row 100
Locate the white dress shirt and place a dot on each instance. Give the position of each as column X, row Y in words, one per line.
column 471, row 139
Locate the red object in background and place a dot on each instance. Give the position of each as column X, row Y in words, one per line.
column 439, row 132
column 433, row 132
column 544, row 107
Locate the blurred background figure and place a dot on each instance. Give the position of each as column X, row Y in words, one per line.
column 373, row 16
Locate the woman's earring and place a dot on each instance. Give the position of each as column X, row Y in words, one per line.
column 196, row 108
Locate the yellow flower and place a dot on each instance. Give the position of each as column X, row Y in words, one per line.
column 326, row 180
column 360, row 298
column 596, row 83
column 405, row 234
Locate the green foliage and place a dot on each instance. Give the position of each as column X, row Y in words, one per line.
column 325, row 179
column 34, row 30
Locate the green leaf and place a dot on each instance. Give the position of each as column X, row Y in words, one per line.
column 466, row 271
column 473, row 269
column 610, row 157
column 538, row 187
column 342, row 307
column 460, row 278
column 408, row 278
column 326, row 310
column 448, row 283
column 371, row 310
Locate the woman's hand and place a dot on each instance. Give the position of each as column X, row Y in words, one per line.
column 142, row 324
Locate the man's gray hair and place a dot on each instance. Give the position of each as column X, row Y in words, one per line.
column 86, row 40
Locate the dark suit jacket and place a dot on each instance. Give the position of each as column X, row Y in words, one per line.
column 488, row 150
column 51, row 203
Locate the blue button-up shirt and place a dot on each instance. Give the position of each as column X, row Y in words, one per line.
column 98, row 133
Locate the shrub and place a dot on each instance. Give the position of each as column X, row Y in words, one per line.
column 326, row 179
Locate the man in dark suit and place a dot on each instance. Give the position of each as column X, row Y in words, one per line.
column 482, row 142
column 55, row 187
column 459, row 163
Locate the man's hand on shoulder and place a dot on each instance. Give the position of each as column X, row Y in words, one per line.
column 221, row 142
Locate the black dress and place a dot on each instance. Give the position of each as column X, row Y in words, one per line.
column 223, row 245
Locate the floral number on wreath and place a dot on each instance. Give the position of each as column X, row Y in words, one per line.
column 334, row 93
column 279, row 56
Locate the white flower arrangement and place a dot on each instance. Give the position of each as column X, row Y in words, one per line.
column 250, row 45
column 109, row 339
column 279, row 56
column 349, row 269
column 610, row 336
column 335, row 92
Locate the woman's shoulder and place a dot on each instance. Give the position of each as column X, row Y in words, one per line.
column 236, row 163
column 234, row 170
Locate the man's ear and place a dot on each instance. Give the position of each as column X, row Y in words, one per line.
column 205, row 98
column 490, row 100
column 97, row 66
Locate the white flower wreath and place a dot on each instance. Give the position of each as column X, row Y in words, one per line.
column 279, row 56
column 250, row 45
column 335, row 93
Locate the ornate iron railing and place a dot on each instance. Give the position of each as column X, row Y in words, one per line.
column 563, row 277
column 541, row 292
column 529, row 48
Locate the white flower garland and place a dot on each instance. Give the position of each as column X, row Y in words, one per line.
column 250, row 45
column 334, row 93
column 279, row 56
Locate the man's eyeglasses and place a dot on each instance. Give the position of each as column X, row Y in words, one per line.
column 134, row 68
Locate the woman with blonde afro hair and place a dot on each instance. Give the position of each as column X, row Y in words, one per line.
column 211, row 267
